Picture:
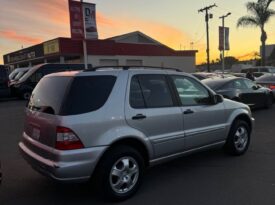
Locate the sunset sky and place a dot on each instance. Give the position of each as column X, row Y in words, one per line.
column 175, row 23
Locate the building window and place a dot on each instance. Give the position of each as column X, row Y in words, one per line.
column 134, row 62
column 108, row 62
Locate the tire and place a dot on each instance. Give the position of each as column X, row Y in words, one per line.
column 119, row 173
column 26, row 95
column 238, row 139
column 269, row 102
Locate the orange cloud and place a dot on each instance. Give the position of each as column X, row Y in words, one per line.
column 12, row 35
column 168, row 35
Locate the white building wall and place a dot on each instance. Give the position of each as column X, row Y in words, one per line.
column 187, row 64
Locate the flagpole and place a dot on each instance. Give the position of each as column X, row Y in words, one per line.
column 84, row 40
column 223, row 49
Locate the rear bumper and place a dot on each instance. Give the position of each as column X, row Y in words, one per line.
column 64, row 166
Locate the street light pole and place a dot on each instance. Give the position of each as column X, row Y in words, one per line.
column 223, row 49
column 207, row 16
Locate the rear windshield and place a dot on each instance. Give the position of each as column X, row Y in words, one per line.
column 48, row 94
column 71, row 96
column 88, row 94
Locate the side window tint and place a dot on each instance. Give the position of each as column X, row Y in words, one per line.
column 136, row 98
column 155, row 91
column 190, row 91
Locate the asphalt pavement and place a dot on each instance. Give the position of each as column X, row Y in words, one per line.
column 210, row 177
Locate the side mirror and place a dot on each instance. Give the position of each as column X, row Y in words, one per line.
column 255, row 87
column 217, row 99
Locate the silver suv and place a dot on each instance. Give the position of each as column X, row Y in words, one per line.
column 109, row 124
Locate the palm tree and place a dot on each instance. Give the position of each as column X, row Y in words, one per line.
column 260, row 15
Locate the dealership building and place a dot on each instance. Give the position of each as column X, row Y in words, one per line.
column 133, row 49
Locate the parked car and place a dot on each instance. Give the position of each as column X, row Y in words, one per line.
column 4, row 82
column 24, row 86
column 109, row 124
column 242, row 90
column 267, row 80
column 0, row 173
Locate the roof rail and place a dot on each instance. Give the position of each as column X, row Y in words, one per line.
column 131, row 67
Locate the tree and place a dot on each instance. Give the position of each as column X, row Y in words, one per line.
column 260, row 14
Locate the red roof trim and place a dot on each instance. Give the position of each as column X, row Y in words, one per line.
column 110, row 47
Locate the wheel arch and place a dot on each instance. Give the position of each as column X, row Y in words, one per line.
column 135, row 143
column 245, row 118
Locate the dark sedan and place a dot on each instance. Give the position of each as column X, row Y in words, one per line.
column 242, row 90
column 267, row 80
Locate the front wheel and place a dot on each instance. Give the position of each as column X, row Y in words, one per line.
column 120, row 172
column 238, row 139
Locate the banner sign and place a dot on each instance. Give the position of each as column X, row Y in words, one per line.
column 224, row 38
column 83, row 20
column 51, row 47
column 76, row 19
column 89, row 15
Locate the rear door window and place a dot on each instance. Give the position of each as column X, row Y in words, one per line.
column 155, row 91
column 136, row 96
column 87, row 94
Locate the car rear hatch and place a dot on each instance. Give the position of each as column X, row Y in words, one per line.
column 42, row 112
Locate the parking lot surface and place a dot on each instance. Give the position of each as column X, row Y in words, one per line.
column 210, row 177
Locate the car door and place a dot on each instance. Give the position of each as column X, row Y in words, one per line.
column 204, row 122
column 257, row 96
column 241, row 91
column 152, row 110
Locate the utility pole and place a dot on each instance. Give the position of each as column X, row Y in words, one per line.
column 223, row 28
column 207, row 17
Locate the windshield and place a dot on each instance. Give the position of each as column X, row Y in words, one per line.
column 19, row 75
column 29, row 73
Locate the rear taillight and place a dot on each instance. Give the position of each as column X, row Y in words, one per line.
column 66, row 139
column 272, row 87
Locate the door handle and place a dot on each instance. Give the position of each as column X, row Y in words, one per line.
column 139, row 117
column 187, row 112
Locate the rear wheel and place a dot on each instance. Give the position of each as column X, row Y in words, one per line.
column 238, row 139
column 120, row 172
column 26, row 95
